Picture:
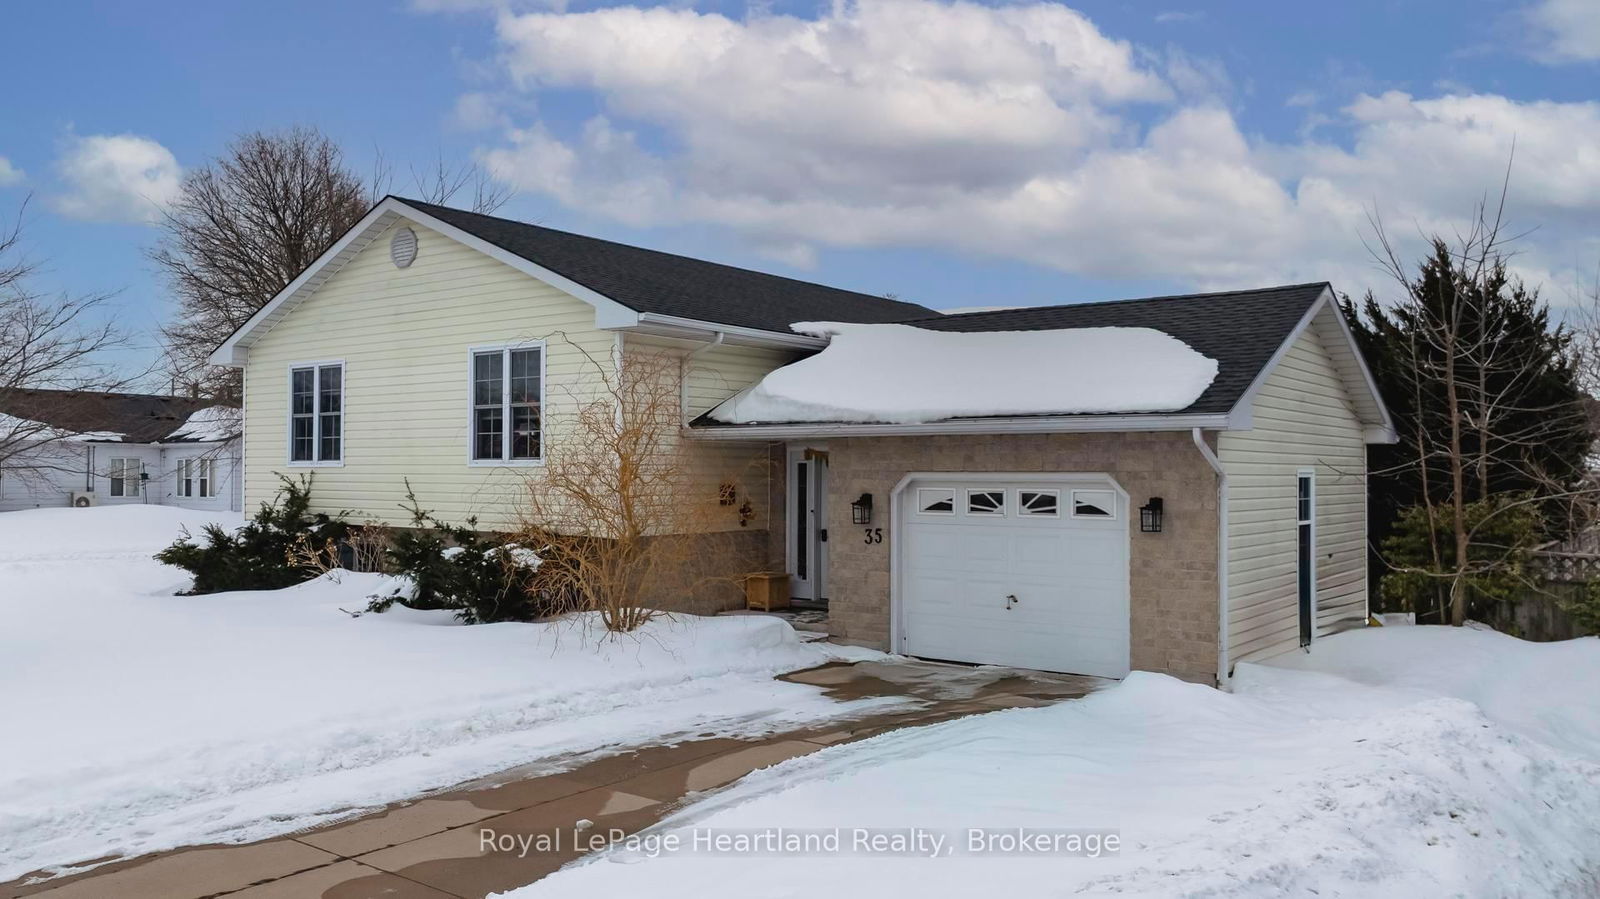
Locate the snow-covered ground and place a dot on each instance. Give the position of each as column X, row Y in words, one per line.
column 1392, row 762
column 128, row 532
column 136, row 720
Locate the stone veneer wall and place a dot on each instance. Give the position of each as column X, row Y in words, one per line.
column 777, row 507
column 711, row 580
column 1174, row 573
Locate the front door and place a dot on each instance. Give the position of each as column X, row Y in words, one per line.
column 808, row 524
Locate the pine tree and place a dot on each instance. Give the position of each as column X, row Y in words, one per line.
column 1485, row 397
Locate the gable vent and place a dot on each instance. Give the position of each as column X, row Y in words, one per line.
column 403, row 247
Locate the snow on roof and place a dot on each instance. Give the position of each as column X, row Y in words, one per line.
column 12, row 428
column 900, row 374
column 210, row 423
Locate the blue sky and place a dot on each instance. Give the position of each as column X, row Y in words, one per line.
column 927, row 149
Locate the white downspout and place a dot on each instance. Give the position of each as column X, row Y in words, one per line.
column 683, row 373
column 1222, row 554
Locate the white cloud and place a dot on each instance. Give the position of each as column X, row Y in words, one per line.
column 1566, row 30
column 975, row 94
column 117, row 178
column 9, row 174
column 1172, row 17
column 1010, row 131
column 476, row 112
column 1427, row 152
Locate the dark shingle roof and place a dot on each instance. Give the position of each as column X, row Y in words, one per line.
column 1241, row 329
column 140, row 417
column 667, row 284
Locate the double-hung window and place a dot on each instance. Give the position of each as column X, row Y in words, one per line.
column 507, row 404
column 124, row 476
column 316, row 413
column 193, row 473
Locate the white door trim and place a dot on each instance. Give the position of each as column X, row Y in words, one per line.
column 897, row 516
column 817, row 562
column 1311, row 556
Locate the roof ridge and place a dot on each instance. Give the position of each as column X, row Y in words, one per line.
column 628, row 246
column 1172, row 296
column 117, row 393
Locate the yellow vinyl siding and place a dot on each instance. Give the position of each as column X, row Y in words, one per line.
column 404, row 336
column 722, row 371
column 1302, row 419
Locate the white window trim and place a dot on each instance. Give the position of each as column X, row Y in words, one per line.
column 1311, row 557
column 185, row 474
column 316, row 415
column 920, row 503
column 505, row 404
column 1024, row 512
column 1073, row 499
column 1002, row 512
column 138, row 482
column 206, row 474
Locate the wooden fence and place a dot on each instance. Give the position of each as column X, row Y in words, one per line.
column 1538, row 614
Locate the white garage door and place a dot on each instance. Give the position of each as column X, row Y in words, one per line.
column 1029, row 573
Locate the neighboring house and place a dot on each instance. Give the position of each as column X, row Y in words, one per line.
column 1026, row 538
column 93, row 448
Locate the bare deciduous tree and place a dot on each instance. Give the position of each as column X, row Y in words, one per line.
column 615, row 515
column 443, row 183
column 47, row 342
column 244, row 226
column 1496, row 427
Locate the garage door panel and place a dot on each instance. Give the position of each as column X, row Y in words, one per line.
column 1044, row 551
column 1063, row 614
column 979, row 546
column 1069, row 577
column 938, row 543
column 933, row 591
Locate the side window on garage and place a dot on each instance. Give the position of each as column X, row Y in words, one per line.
column 936, row 501
column 986, row 502
column 1094, row 504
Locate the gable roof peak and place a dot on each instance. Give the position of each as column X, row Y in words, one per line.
column 663, row 283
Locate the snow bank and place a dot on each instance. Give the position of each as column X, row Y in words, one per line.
column 132, row 530
column 213, row 423
column 1302, row 784
column 159, row 720
column 903, row 374
column 1546, row 691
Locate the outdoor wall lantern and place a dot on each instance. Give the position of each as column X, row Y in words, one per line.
column 1150, row 516
column 861, row 510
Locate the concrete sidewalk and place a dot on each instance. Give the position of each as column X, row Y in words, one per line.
column 435, row 847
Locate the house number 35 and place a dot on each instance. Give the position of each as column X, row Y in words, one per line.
column 874, row 535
